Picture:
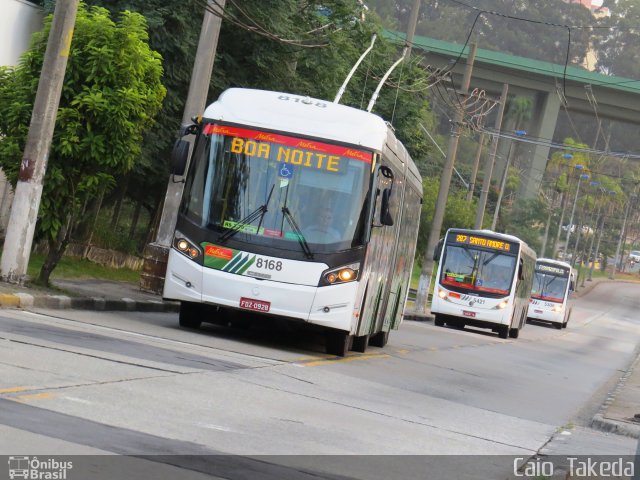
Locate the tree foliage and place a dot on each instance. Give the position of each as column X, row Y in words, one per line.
column 111, row 94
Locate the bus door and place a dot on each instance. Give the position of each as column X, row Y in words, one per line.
column 401, row 261
column 380, row 251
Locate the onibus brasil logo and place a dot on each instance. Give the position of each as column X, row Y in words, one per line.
column 32, row 468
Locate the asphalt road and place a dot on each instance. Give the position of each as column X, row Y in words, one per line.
column 77, row 382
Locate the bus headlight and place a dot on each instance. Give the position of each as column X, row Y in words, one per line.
column 557, row 308
column 502, row 305
column 442, row 294
column 347, row 273
column 186, row 247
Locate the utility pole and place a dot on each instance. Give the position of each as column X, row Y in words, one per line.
column 476, row 163
column 411, row 29
column 622, row 235
column 156, row 253
column 491, row 160
column 441, row 203
column 503, row 184
column 26, row 201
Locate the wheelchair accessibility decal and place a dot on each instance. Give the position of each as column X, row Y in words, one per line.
column 285, row 171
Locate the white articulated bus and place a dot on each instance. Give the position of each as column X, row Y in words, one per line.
column 553, row 282
column 483, row 280
column 297, row 208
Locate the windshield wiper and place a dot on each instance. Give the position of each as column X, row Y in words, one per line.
column 298, row 232
column 248, row 220
column 546, row 284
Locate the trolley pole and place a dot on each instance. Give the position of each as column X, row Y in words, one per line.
column 156, row 253
column 441, row 203
column 490, row 161
column 26, row 201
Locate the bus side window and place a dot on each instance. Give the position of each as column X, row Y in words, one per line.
column 520, row 271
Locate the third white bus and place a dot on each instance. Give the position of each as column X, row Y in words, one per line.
column 552, row 283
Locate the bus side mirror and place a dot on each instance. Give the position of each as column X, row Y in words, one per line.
column 385, row 213
column 438, row 250
column 179, row 156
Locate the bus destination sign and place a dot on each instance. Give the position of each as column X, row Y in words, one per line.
column 552, row 269
column 477, row 241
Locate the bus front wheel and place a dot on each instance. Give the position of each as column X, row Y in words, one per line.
column 338, row 342
column 438, row 322
column 503, row 331
column 514, row 332
column 360, row 343
column 190, row 315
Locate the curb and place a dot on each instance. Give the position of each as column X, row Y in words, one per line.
column 25, row 300
column 621, row 427
column 418, row 317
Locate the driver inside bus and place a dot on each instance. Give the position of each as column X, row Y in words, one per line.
column 322, row 231
column 498, row 277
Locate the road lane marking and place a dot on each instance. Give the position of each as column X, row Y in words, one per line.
column 344, row 359
column 15, row 389
column 33, row 396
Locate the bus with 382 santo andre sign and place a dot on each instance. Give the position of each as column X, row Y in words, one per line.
column 483, row 280
column 296, row 208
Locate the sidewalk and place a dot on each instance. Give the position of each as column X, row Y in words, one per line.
column 86, row 294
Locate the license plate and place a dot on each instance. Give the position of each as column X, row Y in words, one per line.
column 538, row 311
column 253, row 304
column 468, row 314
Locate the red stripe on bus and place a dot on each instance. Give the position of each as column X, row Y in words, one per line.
column 361, row 155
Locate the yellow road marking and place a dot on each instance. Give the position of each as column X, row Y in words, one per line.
column 345, row 359
column 34, row 396
column 14, row 389
column 404, row 350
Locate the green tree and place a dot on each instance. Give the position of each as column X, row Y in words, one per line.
column 111, row 94
column 458, row 213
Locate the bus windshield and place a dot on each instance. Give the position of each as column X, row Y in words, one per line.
column 278, row 190
column 550, row 283
column 468, row 269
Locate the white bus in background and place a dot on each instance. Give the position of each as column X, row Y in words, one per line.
column 552, row 283
column 297, row 208
column 483, row 280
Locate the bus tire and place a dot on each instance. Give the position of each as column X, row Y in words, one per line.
column 190, row 315
column 558, row 325
column 380, row 339
column 503, row 331
column 338, row 342
column 360, row 344
column 514, row 332
column 438, row 321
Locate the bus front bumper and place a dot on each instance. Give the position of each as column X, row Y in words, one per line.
column 329, row 306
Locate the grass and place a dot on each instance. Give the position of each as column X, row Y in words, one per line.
column 79, row 268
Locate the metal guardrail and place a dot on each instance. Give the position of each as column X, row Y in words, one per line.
column 412, row 295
